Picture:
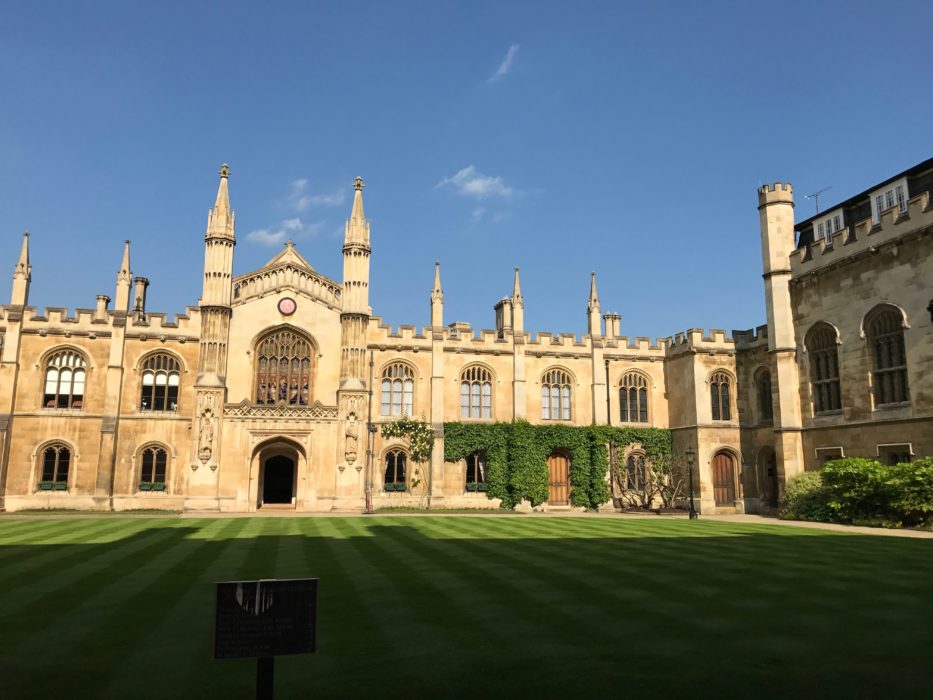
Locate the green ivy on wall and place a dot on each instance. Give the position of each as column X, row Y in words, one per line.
column 420, row 436
column 516, row 456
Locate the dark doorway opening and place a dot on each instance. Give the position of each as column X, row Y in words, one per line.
column 278, row 481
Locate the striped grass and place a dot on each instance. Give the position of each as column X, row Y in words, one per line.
column 470, row 607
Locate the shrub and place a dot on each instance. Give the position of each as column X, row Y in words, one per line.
column 805, row 498
column 859, row 488
column 911, row 485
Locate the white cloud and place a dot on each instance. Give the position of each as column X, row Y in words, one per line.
column 506, row 64
column 275, row 235
column 469, row 182
column 299, row 198
column 264, row 236
column 478, row 213
column 292, row 224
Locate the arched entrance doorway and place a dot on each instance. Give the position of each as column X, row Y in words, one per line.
column 558, row 470
column 724, row 479
column 278, row 475
column 767, row 477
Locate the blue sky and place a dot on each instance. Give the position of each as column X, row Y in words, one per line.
column 625, row 139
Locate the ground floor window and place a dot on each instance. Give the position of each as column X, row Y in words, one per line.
column 56, row 461
column 476, row 472
column 152, row 475
column 395, row 464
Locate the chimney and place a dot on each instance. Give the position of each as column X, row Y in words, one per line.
column 503, row 317
column 101, row 313
column 139, row 295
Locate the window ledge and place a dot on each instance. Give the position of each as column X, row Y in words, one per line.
column 892, row 406
column 56, row 409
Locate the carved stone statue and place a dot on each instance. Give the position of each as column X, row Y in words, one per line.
column 352, row 435
column 206, row 435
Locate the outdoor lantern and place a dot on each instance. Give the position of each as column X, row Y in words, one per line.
column 691, row 460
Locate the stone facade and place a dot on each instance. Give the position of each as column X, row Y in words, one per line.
column 259, row 397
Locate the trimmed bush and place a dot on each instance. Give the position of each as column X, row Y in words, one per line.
column 859, row 489
column 911, row 485
column 805, row 498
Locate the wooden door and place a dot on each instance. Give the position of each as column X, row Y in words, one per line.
column 724, row 479
column 558, row 469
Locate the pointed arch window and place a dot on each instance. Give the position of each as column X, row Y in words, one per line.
column 633, row 398
column 555, row 395
column 636, row 473
column 719, row 385
column 396, row 462
column 885, row 334
column 398, row 390
column 764, row 396
column 152, row 474
column 65, row 375
column 283, row 369
column 476, row 393
column 161, row 376
column 824, row 368
column 476, row 471
column 56, row 463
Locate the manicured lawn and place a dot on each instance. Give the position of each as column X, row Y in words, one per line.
column 471, row 607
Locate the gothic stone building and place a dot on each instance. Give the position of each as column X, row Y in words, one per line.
column 259, row 397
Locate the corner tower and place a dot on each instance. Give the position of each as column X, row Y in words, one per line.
column 776, row 211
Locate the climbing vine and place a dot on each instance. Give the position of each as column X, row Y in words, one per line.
column 516, row 456
column 420, row 436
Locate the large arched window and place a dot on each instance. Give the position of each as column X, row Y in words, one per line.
column 160, row 383
column 398, row 390
column 719, row 385
column 636, row 473
column 152, row 473
column 283, row 369
column 476, row 393
column 885, row 332
column 56, row 463
column 824, row 368
column 395, row 463
column 633, row 398
column 476, row 471
column 555, row 395
column 64, row 380
column 763, row 394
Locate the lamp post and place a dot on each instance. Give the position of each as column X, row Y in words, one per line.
column 691, row 459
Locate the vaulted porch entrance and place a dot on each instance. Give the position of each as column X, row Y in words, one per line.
column 278, row 475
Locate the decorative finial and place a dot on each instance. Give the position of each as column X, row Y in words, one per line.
column 25, row 234
column 225, row 170
column 358, row 183
column 289, row 243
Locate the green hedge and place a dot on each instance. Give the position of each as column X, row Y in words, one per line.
column 516, row 456
column 863, row 491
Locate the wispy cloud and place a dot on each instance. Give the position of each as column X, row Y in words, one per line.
column 479, row 213
column 506, row 64
column 469, row 182
column 300, row 196
column 289, row 228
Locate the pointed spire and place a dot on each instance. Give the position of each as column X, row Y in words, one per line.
column 594, row 297
column 437, row 299
column 517, row 290
column 220, row 219
column 124, row 279
column 594, row 322
column 22, row 274
column 437, row 292
column 357, row 229
column 518, row 308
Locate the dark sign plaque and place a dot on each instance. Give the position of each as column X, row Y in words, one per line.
column 265, row 618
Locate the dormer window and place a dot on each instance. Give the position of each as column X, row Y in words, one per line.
column 890, row 196
column 825, row 227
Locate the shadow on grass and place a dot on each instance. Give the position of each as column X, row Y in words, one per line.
column 469, row 607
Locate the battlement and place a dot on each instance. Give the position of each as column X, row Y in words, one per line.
column 716, row 340
column 751, row 338
column 87, row 318
column 864, row 237
column 775, row 192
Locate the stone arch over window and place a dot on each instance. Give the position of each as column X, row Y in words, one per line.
column 160, row 379
column 476, row 392
column 398, row 390
column 633, row 397
column 55, row 465
column 636, row 470
column 822, row 344
column 395, row 474
column 884, row 330
column 556, row 394
column 65, row 378
column 153, row 459
column 720, row 391
column 764, row 397
column 284, row 368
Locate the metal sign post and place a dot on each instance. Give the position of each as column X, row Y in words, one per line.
column 264, row 619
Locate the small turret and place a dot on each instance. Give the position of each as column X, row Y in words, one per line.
column 22, row 275
column 518, row 306
column 356, row 252
column 437, row 299
column 220, row 219
column 124, row 280
column 594, row 327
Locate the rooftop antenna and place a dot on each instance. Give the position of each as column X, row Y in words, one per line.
column 816, row 196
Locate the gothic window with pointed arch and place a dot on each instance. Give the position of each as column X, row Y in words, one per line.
column 56, row 463
column 398, row 390
column 476, row 471
column 476, row 392
column 64, row 380
column 721, row 403
column 161, row 377
column 885, row 333
column 636, row 471
column 824, row 368
column 633, row 398
column 556, row 395
column 154, row 462
column 764, row 395
column 396, row 462
column 283, row 369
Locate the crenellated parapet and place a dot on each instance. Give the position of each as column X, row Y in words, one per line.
column 864, row 238
column 60, row 321
column 716, row 341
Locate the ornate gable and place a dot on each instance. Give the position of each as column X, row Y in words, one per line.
column 287, row 271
